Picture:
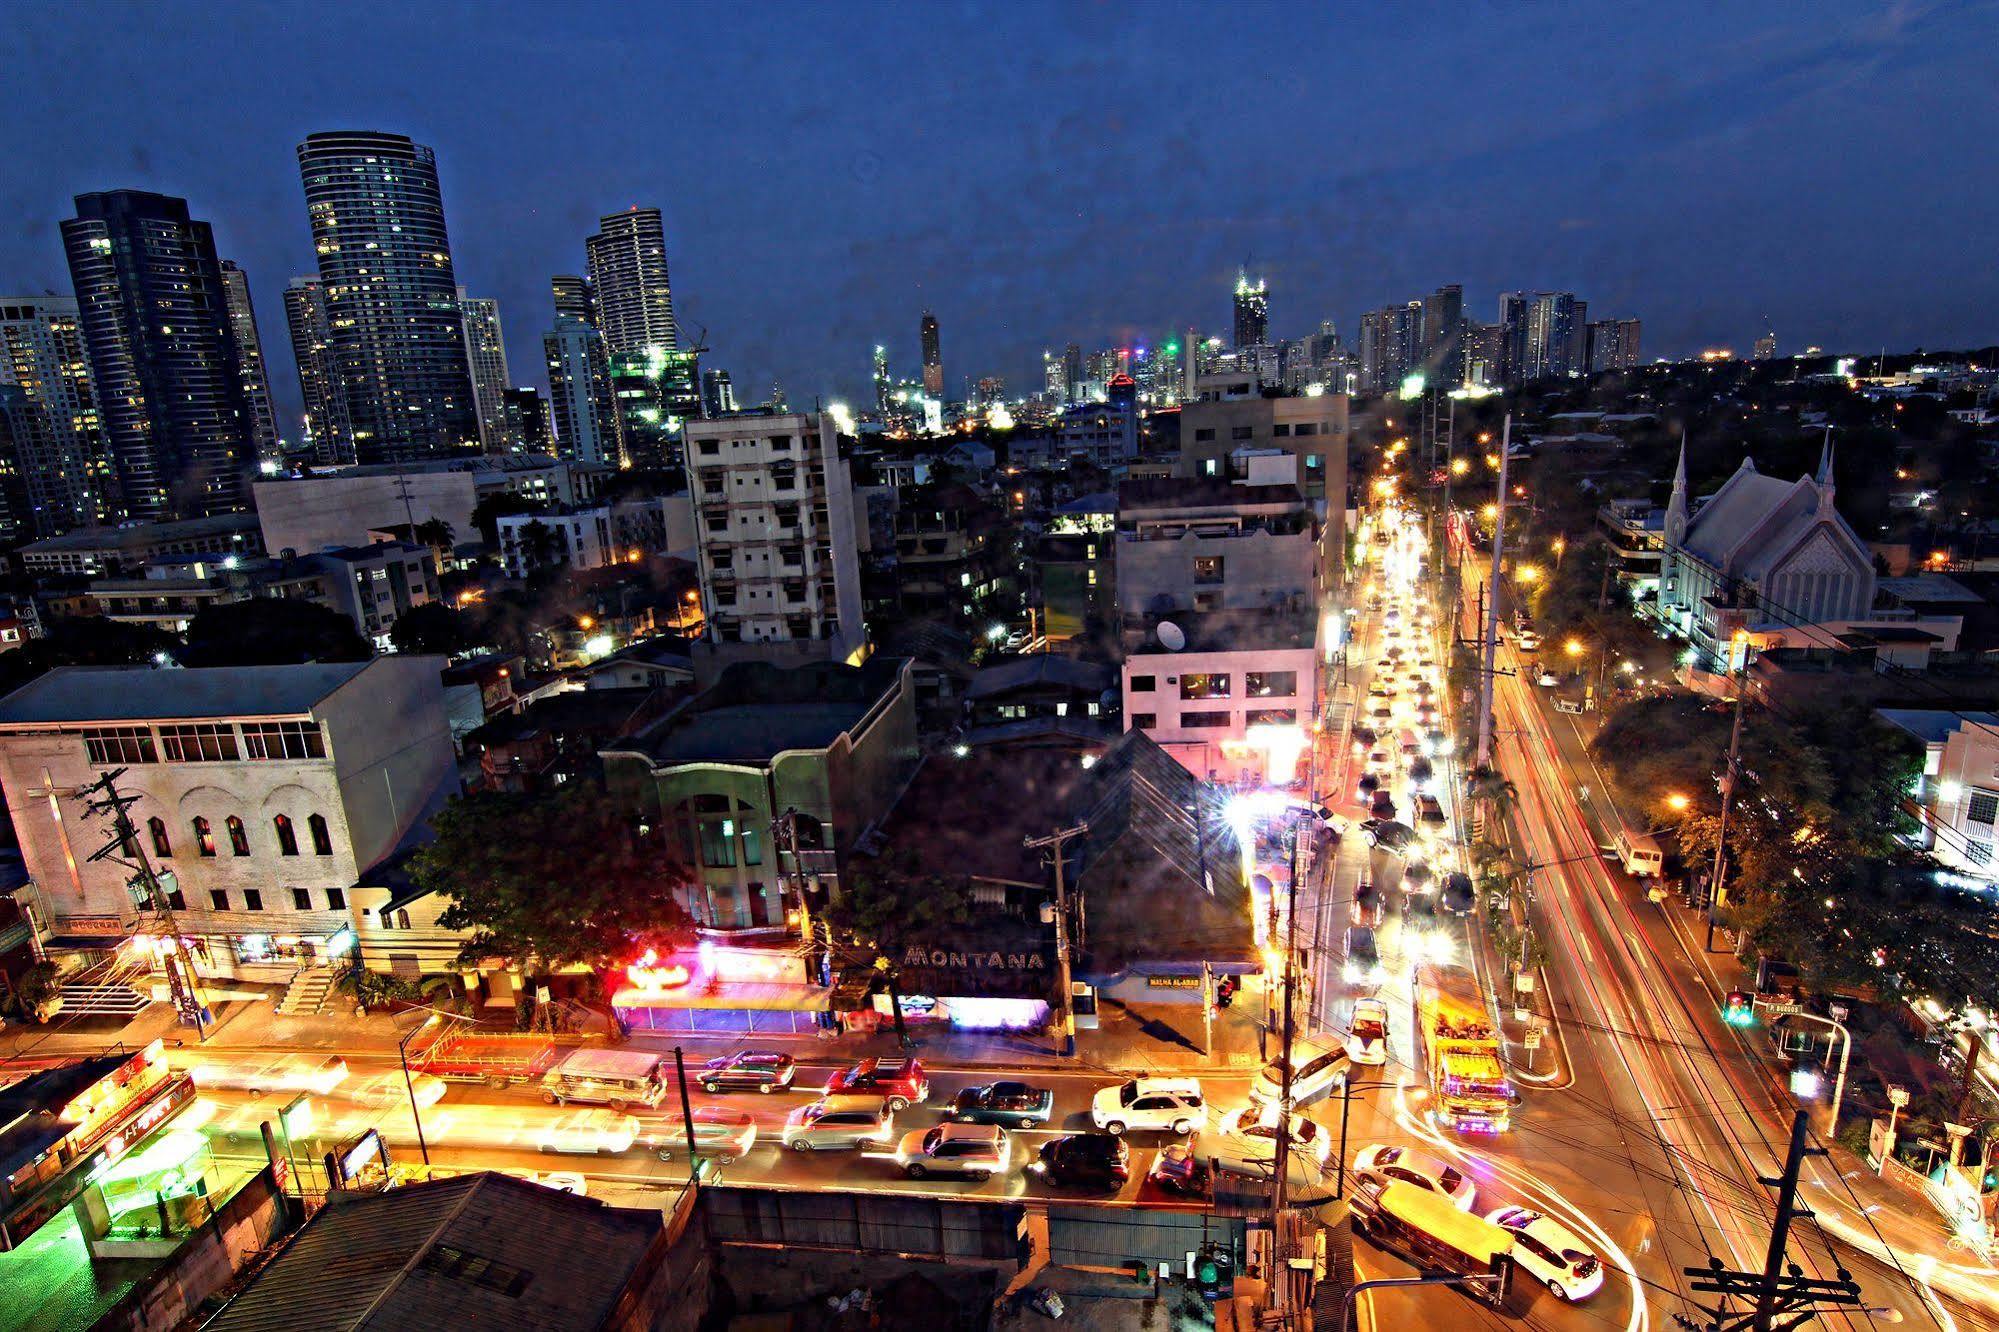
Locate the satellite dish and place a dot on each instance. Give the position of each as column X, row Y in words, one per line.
column 1171, row 636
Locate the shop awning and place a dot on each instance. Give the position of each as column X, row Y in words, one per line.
column 765, row 996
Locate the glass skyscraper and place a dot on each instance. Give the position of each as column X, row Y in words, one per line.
column 398, row 339
column 154, row 313
column 628, row 273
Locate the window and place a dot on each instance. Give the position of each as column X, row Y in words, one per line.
column 253, row 899
column 1305, row 428
column 752, row 851
column 287, row 835
column 1977, row 852
column 1205, row 686
column 718, row 522
column 322, row 840
column 199, row 742
column 1211, row 467
column 177, row 900
column 718, row 842
column 1983, row 807
column 336, row 899
column 1204, row 435
column 204, row 838
column 1203, row 721
column 402, row 918
column 1271, row 717
column 709, row 448
column 1144, row 684
column 1270, row 684
column 218, row 898
column 1315, row 462
column 120, row 744
column 1207, row 568
column 301, row 900
column 1281, row 431
column 283, row 740
column 239, row 840
column 162, row 847
column 1242, row 432
column 1144, row 721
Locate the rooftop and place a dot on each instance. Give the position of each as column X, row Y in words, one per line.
column 479, row 1251
column 1235, row 631
column 141, row 693
column 134, row 535
column 515, row 462
column 970, row 817
column 756, row 711
column 1199, row 492
column 1933, row 726
column 1042, row 668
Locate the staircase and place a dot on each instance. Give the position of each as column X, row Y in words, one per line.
column 108, row 1000
column 307, row 993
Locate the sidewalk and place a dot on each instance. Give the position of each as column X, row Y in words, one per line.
column 1132, row 1039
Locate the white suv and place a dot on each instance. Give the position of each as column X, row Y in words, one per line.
column 1150, row 1103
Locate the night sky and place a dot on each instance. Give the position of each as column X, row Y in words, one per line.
column 1091, row 172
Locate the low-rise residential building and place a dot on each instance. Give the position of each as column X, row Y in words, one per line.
column 555, row 739
column 1231, row 695
column 623, row 532
column 950, row 550
column 1042, row 698
column 96, row 551
column 829, row 744
column 264, row 793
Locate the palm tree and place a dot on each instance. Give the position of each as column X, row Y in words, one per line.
column 1490, row 788
column 437, row 534
column 541, row 545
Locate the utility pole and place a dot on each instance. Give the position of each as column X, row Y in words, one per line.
column 182, row 982
column 1490, row 626
column 1054, row 844
column 1729, row 776
column 1282, row 1162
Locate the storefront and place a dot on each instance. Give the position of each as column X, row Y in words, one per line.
column 724, row 990
column 993, row 975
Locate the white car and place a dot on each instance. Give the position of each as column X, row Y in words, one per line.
column 1173, row 1104
column 589, row 1131
column 1548, row 1250
column 390, row 1091
column 1248, row 1137
column 1381, row 1162
column 1319, row 1068
column 1368, row 1044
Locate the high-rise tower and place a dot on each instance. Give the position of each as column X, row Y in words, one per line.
column 326, row 426
column 933, row 358
column 250, row 359
column 155, row 318
column 574, row 298
column 398, row 338
column 486, row 354
column 628, row 270
column 66, row 469
column 1252, row 312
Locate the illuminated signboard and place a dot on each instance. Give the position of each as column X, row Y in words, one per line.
column 171, row 1095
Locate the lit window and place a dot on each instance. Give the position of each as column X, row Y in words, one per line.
column 287, row 835
column 239, row 840
column 204, row 837
column 322, row 840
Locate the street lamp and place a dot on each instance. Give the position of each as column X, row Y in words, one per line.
column 409, row 1084
column 1528, row 573
column 1560, row 545
column 1677, row 803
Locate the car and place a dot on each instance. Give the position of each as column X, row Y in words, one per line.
column 1419, row 911
column 900, row 1082
column 1318, row 1065
column 588, row 1132
column 1084, row 1160
column 1013, row 1104
column 839, row 1123
column 1428, row 810
column 389, row 1090
column 1174, row 1104
column 1458, row 896
column 1546, row 679
column 1364, row 737
column 975, row 1151
column 562, row 1181
column 1381, row 1162
column 1368, row 1041
column 721, row 1134
column 1438, row 743
column 1368, row 784
column 1422, row 771
column 1382, row 716
column 1389, row 835
column 1179, row 1169
column 1363, row 964
column 1247, row 1138
column 1366, row 909
column 749, row 1070
column 1549, row 1251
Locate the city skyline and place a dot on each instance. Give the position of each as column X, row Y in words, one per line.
column 1714, row 203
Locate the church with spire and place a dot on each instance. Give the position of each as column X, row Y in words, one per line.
column 1760, row 556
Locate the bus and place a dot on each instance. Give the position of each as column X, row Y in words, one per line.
column 1429, row 1231
column 1469, row 1090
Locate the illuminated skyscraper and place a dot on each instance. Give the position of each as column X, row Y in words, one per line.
column 579, row 392
column 528, row 430
column 628, row 272
column 718, row 394
column 1544, row 335
column 391, row 294
column 1252, row 312
column 574, row 298
column 486, row 354
column 66, row 469
column 1054, row 380
column 884, row 391
column 250, row 359
column 326, row 426
column 155, row 319
column 933, row 358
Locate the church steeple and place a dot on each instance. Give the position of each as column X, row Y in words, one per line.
column 1676, row 507
column 1825, row 461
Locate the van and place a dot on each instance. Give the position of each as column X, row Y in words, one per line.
column 1411, row 746
column 1638, row 853
column 616, row 1078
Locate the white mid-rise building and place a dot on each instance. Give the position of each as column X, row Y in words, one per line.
column 266, row 793
column 1959, row 792
column 1231, row 694
column 779, row 546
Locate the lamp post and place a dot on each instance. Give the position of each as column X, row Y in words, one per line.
column 1347, row 1089
column 1898, row 1100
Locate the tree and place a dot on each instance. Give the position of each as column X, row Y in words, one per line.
column 486, row 514
column 432, row 627
column 84, row 640
column 541, row 545
column 271, row 631
column 546, row 882
column 888, row 905
column 437, row 534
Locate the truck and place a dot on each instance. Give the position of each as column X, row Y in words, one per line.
column 458, row 1052
column 1469, row 1090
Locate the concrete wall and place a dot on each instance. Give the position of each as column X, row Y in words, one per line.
column 306, row 515
column 1259, row 570
column 390, row 742
column 170, row 1296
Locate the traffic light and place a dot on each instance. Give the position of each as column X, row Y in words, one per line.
column 1739, row 1009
